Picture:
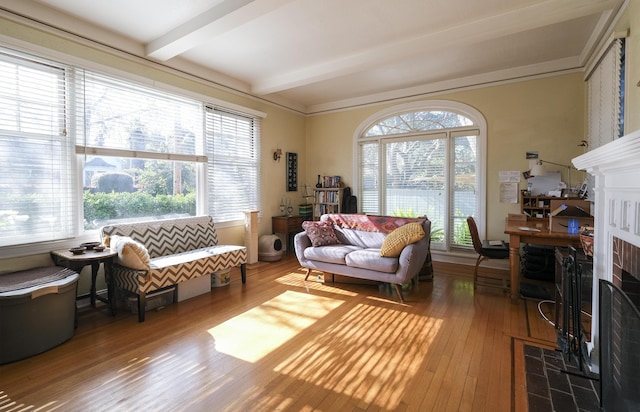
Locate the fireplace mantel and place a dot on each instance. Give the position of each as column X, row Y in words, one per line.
column 616, row 209
column 619, row 154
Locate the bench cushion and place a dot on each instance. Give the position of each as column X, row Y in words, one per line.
column 173, row 269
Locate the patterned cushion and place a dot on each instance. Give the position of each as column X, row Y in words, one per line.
column 320, row 233
column 401, row 237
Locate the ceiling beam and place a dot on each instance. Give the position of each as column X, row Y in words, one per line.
column 226, row 15
column 528, row 18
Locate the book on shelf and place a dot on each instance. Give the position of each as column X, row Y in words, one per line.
column 329, row 182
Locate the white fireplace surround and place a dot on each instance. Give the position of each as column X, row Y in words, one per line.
column 616, row 210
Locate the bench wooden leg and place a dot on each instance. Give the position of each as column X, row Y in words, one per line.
column 142, row 306
column 243, row 272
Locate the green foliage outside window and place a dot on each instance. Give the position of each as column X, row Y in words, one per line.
column 100, row 208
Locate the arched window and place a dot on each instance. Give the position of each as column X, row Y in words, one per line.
column 425, row 158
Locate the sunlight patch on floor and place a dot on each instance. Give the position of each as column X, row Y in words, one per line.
column 313, row 283
column 259, row 331
column 348, row 357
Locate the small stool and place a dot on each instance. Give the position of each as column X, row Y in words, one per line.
column 37, row 311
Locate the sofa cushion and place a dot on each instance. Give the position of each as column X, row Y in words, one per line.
column 131, row 254
column 401, row 237
column 320, row 233
column 330, row 254
column 370, row 259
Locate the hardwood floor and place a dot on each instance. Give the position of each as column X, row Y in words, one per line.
column 279, row 343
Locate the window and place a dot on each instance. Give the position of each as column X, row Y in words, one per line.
column 36, row 154
column 233, row 153
column 425, row 159
column 80, row 149
column 605, row 96
column 142, row 151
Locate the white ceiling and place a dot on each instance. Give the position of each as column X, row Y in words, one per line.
column 315, row 55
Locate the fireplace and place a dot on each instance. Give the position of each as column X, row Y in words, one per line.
column 615, row 325
column 620, row 331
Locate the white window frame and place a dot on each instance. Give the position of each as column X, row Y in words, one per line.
column 434, row 105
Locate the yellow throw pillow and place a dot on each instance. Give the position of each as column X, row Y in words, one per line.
column 131, row 254
column 401, row 237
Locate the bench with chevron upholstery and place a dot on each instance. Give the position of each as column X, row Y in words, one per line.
column 178, row 250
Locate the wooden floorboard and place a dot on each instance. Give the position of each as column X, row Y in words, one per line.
column 279, row 343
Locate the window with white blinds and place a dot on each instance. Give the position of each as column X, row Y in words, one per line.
column 423, row 162
column 142, row 151
column 605, row 96
column 80, row 149
column 37, row 168
column 605, row 100
column 233, row 167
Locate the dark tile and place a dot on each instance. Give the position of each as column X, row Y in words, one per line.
column 553, row 354
column 559, row 380
column 581, row 381
column 586, row 399
column 534, row 365
column 555, row 383
column 532, row 351
column 553, row 362
column 537, row 384
column 563, row 401
column 539, row 404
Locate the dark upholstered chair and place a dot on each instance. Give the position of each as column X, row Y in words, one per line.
column 486, row 251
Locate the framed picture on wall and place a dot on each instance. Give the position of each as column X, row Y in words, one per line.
column 292, row 172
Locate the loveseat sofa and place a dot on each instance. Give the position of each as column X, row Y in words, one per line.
column 368, row 247
column 157, row 254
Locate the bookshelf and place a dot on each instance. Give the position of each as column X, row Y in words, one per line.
column 326, row 200
column 536, row 206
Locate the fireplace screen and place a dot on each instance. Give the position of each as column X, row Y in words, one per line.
column 619, row 350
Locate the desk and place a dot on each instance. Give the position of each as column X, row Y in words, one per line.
column 94, row 259
column 536, row 236
column 289, row 225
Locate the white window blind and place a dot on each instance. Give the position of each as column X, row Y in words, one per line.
column 463, row 195
column 369, row 178
column 604, row 95
column 122, row 118
column 37, row 173
column 233, row 171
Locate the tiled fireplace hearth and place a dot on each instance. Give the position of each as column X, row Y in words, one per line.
column 616, row 196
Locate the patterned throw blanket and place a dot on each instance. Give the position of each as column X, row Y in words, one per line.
column 371, row 223
column 32, row 277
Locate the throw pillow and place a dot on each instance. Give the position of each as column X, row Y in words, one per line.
column 401, row 237
column 320, row 233
column 131, row 254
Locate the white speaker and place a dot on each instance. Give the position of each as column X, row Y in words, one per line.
column 270, row 248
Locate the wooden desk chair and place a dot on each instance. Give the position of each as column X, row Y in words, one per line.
column 486, row 251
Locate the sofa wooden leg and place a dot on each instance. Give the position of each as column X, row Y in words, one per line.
column 399, row 292
column 308, row 273
column 243, row 272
